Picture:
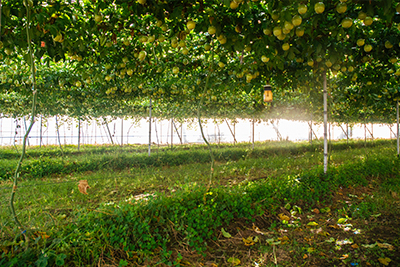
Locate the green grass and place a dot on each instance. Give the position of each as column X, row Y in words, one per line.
column 246, row 184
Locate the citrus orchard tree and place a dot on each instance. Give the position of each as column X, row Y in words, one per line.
column 99, row 57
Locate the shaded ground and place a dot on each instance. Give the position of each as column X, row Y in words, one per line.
column 323, row 235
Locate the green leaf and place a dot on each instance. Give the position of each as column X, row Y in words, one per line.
column 312, row 224
column 234, row 261
column 225, row 234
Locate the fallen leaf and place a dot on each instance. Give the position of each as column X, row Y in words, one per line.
column 354, row 246
column 322, row 254
column 305, row 256
column 251, row 240
column 83, row 186
column 345, row 256
column 284, row 239
column 385, row 245
column 316, row 211
column 225, row 234
column 384, row 261
column 283, row 217
column 312, row 224
column 394, row 194
column 43, row 235
column 234, row 261
column 310, row 250
column 325, row 210
column 369, row 246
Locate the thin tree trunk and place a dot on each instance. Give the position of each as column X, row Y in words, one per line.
column 177, row 132
column 150, row 128
column 252, row 132
column 58, row 137
column 325, row 124
column 41, row 132
column 34, row 99
column 172, row 133
column 371, row 133
column 122, row 131
column 234, row 138
column 26, row 128
column 79, row 133
column 109, row 132
column 344, row 132
column 15, row 135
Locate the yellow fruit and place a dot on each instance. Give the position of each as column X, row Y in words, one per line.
column 221, row 64
column 328, row 63
column 368, row 21
column 281, row 37
column 350, row 68
column 151, row 39
column 191, row 25
column 98, row 18
column 368, row 48
column 207, row 47
column 277, row 31
column 319, row 7
column 347, row 23
column 142, row 2
column 388, row 45
column 362, row 15
column 300, row 32
column 296, row 20
column 264, row 58
column 310, row 63
column 234, row 4
column 360, row 42
column 393, row 60
column 175, row 70
column 238, row 29
column 341, row 8
column 142, row 55
column 288, row 25
column 267, row 31
column 212, row 30
column 275, row 15
column 285, row 46
column 185, row 51
column 302, row 9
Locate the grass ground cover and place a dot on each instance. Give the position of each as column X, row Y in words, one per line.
column 120, row 176
column 183, row 224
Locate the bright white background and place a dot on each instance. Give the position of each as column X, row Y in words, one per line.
column 93, row 132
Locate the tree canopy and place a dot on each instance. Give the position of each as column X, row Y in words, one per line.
column 97, row 58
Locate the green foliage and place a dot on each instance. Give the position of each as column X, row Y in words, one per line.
column 194, row 214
